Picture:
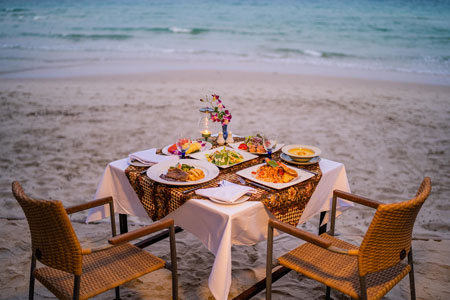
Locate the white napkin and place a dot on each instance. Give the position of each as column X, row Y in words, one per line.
column 227, row 192
column 149, row 156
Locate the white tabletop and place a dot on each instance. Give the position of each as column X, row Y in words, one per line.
column 219, row 226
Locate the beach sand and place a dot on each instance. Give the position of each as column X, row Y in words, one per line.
column 58, row 135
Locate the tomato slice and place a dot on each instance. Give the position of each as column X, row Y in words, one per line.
column 172, row 148
column 243, row 146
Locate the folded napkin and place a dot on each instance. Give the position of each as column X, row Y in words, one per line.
column 149, row 156
column 227, row 192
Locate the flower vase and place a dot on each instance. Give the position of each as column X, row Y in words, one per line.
column 225, row 131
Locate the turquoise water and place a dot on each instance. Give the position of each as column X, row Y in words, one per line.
column 404, row 36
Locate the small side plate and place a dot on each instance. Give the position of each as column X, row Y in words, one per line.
column 238, row 201
column 137, row 163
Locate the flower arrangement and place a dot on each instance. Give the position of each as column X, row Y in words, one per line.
column 218, row 113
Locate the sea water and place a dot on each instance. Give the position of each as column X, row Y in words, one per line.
column 400, row 36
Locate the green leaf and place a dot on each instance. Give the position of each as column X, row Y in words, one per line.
column 272, row 163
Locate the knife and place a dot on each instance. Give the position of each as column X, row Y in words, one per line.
column 311, row 172
column 195, row 188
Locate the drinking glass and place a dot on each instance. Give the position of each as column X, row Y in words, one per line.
column 183, row 144
column 269, row 143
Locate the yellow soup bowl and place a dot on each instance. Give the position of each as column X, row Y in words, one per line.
column 301, row 153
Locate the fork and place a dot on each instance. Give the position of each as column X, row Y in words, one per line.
column 241, row 180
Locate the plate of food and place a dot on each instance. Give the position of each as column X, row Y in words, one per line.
column 301, row 153
column 196, row 146
column 254, row 144
column 289, row 160
column 183, row 172
column 275, row 174
column 223, row 157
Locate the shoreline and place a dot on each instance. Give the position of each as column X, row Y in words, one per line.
column 147, row 67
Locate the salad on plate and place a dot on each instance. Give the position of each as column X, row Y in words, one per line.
column 224, row 157
column 253, row 144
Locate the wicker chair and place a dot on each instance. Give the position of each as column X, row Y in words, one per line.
column 71, row 272
column 365, row 272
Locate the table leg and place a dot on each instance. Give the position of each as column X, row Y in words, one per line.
column 156, row 238
column 323, row 228
column 261, row 285
column 123, row 223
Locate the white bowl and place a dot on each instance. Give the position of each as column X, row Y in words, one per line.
column 301, row 158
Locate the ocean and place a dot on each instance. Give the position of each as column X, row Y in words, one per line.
column 398, row 36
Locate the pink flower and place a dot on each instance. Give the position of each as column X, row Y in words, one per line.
column 219, row 114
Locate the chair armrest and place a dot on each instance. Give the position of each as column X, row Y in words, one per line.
column 87, row 205
column 96, row 249
column 356, row 199
column 132, row 235
column 301, row 234
column 349, row 197
column 311, row 238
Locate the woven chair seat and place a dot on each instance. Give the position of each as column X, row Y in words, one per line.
column 102, row 271
column 339, row 271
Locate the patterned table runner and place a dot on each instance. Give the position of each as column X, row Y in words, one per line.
column 287, row 205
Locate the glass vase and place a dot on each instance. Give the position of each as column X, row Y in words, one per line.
column 225, row 131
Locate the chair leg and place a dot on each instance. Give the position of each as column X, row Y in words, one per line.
column 269, row 263
column 412, row 285
column 362, row 282
column 76, row 287
column 328, row 293
column 173, row 261
column 33, row 266
column 117, row 293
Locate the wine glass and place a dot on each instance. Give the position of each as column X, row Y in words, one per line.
column 183, row 144
column 269, row 143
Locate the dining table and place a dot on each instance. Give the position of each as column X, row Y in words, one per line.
column 220, row 226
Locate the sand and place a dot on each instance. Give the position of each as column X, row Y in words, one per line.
column 57, row 136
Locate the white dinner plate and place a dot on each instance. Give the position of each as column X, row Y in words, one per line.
column 206, row 147
column 236, row 146
column 210, row 170
column 202, row 155
column 302, row 176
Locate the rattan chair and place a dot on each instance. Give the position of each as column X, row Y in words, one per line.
column 365, row 272
column 71, row 272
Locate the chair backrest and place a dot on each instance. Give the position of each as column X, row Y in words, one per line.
column 53, row 239
column 388, row 238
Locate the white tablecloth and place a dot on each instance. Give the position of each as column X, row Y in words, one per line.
column 219, row 226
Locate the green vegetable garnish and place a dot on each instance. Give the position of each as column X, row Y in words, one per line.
column 272, row 163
